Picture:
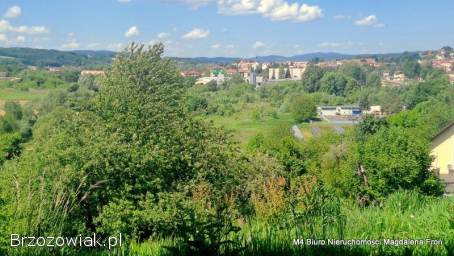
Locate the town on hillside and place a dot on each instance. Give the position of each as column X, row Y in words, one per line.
column 266, row 73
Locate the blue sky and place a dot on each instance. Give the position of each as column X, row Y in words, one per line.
column 241, row 28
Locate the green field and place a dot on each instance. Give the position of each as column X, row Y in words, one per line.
column 10, row 94
column 244, row 127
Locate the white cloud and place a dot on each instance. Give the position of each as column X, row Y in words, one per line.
column 279, row 10
column 197, row 33
column 13, row 12
column 163, row 35
column 20, row 38
column 370, row 20
column 341, row 45
column 193, row 3
column 271, row 9
column 33, row 30
column 329, row 45
column 71, row 45
column 258, row 44
column 93, row 45
column 124, row 1
column 341, row 17
column 3, row 38
column 5, row 26
column 216, row 46
column 115, row 46
column 230, row 46
column 132, row 31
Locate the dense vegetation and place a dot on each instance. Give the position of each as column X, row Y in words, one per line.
column 54, row 58
column 132, row 153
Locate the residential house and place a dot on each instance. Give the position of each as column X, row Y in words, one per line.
column 299, row 64
column 375, row 111
column 254, row 79
column 276, row 73
column 445, row 65
column 442, row 151
column 370, row 62
column 204, row 80
column 190, row 73
column 246, row 65
column 330, row 64
column 393, row 79
column 296, row 73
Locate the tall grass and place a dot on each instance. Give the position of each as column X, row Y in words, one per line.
column 404, row 215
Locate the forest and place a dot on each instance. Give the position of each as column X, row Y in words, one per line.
column 184, row 169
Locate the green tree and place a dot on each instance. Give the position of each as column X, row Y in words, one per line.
column 14, row 110
column 337, row 84
column 312, row 78
column 303, row 108
column 354, row 71
column 127, row 148
column 411, row 69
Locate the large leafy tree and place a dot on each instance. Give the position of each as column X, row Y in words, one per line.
column 125, row 150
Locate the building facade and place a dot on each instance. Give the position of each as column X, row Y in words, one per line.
column 442, row 151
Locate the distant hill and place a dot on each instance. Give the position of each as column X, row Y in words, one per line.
column 55, row 58
column 268, row 58
column 301, row 57
column 206, row 60
column 96, row 59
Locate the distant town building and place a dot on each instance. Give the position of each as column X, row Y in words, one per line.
column 274, row 74
column 246, row 65
column 327, row 111
column 375, row 111
column 190, row 73
column 92, row 72
column 299, row 64
column 345, row 114
column 231, row 71
column 254, row 79
column 349, row 110
column 330, row 64
column 445, row 64
column 204, row 80
column 343, row 110
column 393, row 79
column 55, row 69
column 217, row 75
column 370, row 62
column 296, row 73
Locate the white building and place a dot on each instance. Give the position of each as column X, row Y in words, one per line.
column 349, row 110
column 297, row 73
column 344, row 110
column 327, row 110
